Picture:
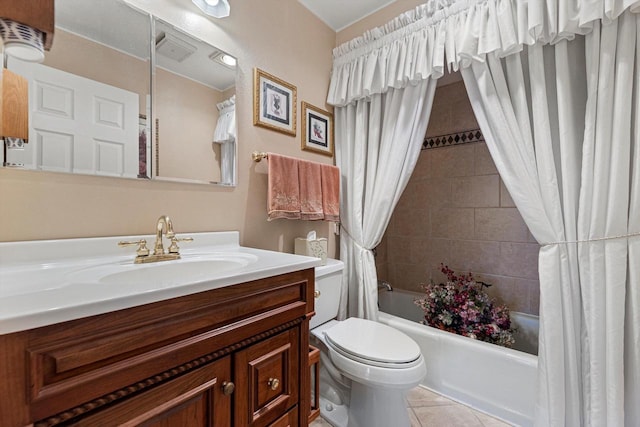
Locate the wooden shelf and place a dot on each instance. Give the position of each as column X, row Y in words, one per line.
column 14, row 108
column 314, row 363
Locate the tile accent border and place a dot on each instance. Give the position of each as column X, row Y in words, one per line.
column 464, row 137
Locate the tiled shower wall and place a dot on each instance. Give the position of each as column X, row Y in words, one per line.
column 456, row 210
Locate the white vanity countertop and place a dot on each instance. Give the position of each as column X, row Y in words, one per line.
column 51, row 281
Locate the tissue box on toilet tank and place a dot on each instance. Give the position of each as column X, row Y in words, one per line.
column 315, row 248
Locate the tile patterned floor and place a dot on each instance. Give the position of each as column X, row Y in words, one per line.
column 428, row 409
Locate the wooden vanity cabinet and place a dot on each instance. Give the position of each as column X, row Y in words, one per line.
column 235, row 356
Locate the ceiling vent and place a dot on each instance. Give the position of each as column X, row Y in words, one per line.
column 174, row 48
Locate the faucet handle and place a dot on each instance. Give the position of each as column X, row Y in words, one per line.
column 174, row 249
column 142, row 250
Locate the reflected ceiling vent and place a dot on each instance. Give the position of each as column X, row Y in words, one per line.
column 174, row 48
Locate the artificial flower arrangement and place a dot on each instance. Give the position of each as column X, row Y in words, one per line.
column 463, row 307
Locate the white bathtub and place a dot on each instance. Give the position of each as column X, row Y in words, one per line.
column 493, row 379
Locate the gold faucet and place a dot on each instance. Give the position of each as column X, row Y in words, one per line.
column 163, row 226
column 163, row 223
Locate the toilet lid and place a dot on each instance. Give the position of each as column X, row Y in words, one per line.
column 372, row 341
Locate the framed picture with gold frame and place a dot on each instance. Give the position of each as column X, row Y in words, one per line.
column 274, row 103
column 317, row 130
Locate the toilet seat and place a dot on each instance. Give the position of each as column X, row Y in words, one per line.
column 366, row 357
column 373, row 344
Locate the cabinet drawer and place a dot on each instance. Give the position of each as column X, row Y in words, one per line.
column 195, row 399
column 267, row 374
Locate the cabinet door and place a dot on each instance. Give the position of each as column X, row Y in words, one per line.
column 267, row 383
column 290, row 419
column 194, row 399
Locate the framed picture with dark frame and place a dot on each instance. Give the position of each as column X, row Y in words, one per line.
column 274, row 103
column 317, row 128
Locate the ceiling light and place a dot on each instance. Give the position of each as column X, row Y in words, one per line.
column 215, row 8
column 229, row 60
column 223, row 59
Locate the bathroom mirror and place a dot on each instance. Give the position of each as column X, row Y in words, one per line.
column 105, row 103
column 194, row 108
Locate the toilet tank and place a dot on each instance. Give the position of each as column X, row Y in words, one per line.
column 329, row 284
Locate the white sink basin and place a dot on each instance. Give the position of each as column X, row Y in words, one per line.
column 188, row 269
column 52, row 281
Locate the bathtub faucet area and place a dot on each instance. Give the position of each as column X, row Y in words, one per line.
column 383, row 284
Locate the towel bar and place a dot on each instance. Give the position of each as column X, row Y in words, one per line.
column 259, row 155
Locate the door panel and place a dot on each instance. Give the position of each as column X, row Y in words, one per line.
column 77, row 124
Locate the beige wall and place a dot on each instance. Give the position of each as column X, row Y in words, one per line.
column 455, row 210
column 288, row 42
column 187, row 117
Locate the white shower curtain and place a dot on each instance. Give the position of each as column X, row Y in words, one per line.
column 562, row 129
column 225, row 135
column 380, row 140
column 564, row 132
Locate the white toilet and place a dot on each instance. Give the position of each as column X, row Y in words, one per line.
column 365, row 367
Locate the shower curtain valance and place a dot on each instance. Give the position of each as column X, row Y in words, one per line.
column 413, row 46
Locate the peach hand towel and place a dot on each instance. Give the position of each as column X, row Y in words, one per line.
column 283, row 198
column 330, row 192
column 310, row 190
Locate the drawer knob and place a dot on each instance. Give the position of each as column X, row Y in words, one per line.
column 273, row 383
column 228, row 388
column 316, row 293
